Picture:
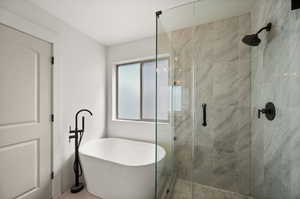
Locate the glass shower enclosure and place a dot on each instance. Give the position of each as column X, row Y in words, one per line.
column 207, row 138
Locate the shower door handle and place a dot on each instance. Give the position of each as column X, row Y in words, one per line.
column 204, row 114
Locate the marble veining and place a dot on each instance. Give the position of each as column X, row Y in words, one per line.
column 275, row 77
column 213, row 67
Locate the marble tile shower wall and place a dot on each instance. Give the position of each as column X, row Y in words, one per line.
column 213, row 67
column 276, row 77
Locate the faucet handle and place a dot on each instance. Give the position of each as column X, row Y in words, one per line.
column 261, row 111
column 71, row 131
column 71, row 137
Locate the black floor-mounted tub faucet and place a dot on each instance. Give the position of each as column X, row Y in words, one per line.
column 77, row 136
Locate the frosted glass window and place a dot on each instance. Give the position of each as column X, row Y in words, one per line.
column 149, row 90
column 129, row 85
column 177, row 93
column 163, row 90
column 136, row 91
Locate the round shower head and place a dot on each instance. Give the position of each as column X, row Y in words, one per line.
column 254, row 40
column 251, row 40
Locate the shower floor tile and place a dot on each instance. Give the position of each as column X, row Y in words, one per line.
column 186, row 190
column 182, row 189
column 81, row 195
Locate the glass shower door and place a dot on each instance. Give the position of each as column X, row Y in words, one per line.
column 210, row 72
column 222, row 133
column 179, row 42
column 164, row 134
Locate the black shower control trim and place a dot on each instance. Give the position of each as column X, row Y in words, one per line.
column 269, row 111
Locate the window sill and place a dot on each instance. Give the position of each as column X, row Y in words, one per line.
column 138, row 122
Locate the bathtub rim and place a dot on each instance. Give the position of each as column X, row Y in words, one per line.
column 117, row 163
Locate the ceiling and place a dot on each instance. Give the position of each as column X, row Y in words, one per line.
column 117, row 21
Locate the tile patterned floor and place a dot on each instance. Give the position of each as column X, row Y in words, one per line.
column 183, row 190
column 81, row 195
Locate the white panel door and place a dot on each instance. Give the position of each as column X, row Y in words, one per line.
column 25, row 108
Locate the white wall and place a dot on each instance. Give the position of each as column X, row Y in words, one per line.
column 145, row 131
column 136, row 50
column 82, row 86
column 79, row 79
column 121, row 53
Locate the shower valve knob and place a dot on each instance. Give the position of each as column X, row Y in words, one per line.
column 269, row 111
column 261, row 111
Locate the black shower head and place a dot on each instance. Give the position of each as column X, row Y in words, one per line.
column 251, row 40
column 254, row 40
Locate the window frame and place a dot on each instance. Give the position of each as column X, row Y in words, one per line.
column 141, row 63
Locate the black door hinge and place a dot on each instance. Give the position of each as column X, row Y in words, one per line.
column 52, row 60
column 52, row 175
column 52, row 117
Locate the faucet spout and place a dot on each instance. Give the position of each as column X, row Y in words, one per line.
column 83, row 110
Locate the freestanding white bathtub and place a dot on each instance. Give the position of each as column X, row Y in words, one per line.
column 117, row 168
